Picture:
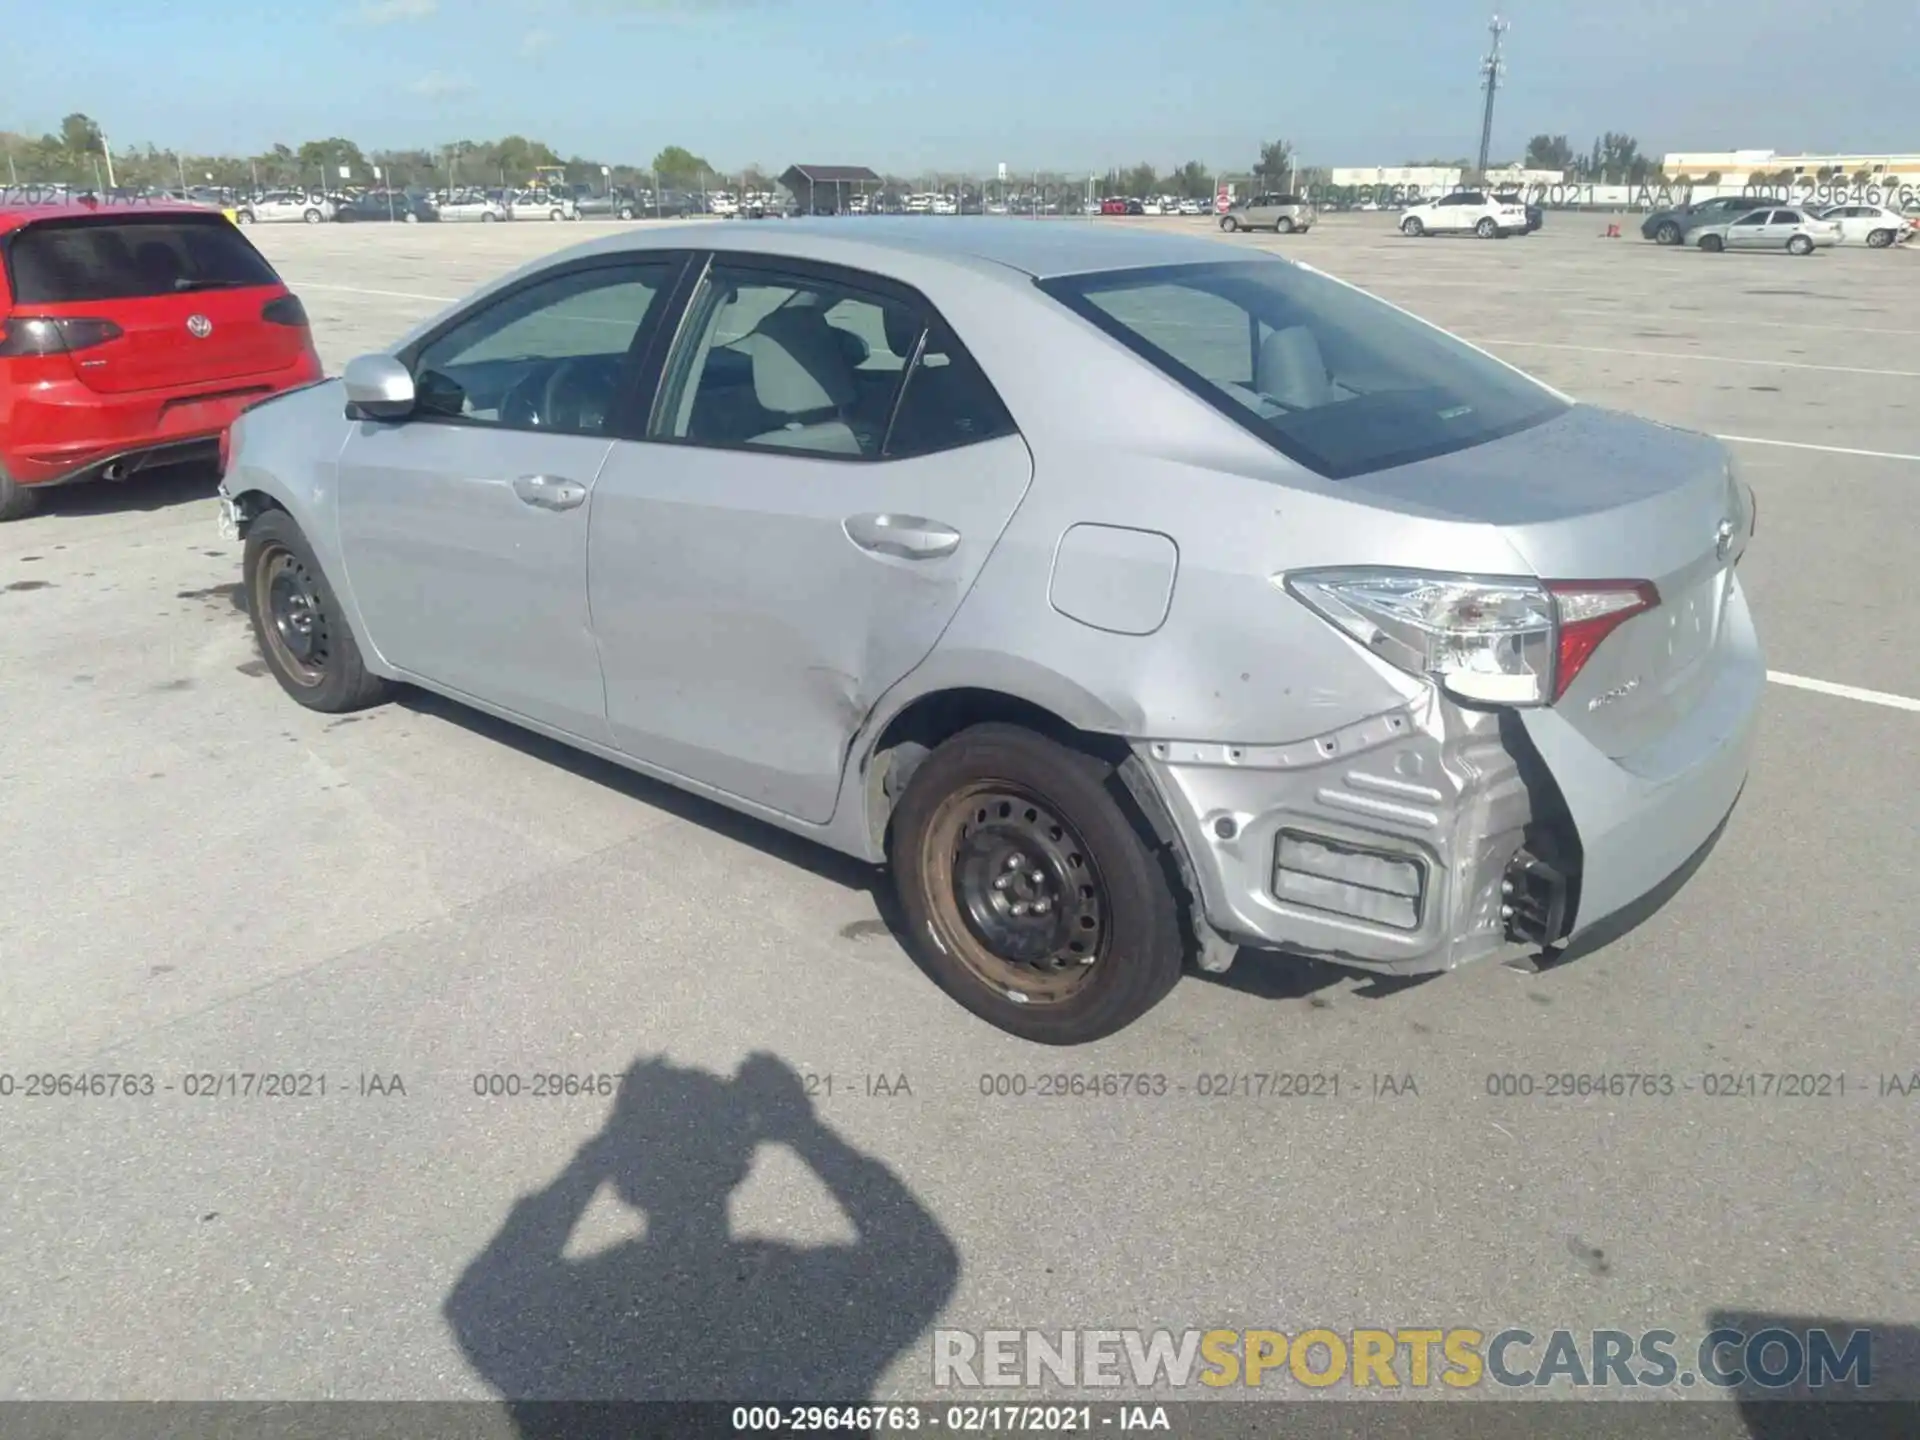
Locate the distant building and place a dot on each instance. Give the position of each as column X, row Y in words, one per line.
column 1435, row 179
column 1738, row 166
column 828, row 189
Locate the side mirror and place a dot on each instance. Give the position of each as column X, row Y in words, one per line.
column 378, row 387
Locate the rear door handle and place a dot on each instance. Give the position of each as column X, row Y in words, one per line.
column 550, row 492
column 905, row 537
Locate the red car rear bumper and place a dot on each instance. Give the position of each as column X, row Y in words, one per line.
column 60, row 432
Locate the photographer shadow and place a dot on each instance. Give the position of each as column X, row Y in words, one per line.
column 687, row 1312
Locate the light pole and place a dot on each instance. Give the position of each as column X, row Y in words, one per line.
column 1492, row 67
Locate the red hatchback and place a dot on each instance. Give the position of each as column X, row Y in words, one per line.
column 130, row 337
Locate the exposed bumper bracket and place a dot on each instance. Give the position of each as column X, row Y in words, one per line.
column 1534, row 898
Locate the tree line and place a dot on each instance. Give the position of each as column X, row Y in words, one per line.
column 78, row 153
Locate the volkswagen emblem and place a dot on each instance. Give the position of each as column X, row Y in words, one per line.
column 1723, row 540
column 199, row 326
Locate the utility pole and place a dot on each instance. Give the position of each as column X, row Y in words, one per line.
column 1492, row 68
column 106, row 152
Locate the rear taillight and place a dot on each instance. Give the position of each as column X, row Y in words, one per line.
column 1485, row 641
column 50, row 335
column 287, row 310
column 1586, row 613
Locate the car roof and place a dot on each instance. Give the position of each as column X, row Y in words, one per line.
column 13, row 215
column 1038, row 248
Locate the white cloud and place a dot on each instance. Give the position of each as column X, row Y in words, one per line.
column 435, row 86
column 393, row 12
column 535, row 42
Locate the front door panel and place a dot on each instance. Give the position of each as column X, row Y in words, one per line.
column 468, row 576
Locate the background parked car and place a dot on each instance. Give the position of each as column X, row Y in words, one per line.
column 1872, row 225
column 471, row 205
column 1276, row 211
column 544, row 205
column 1775, row 228
column 1465, row 212
column 383, row 205
column 1670, row 227
column 617, row 204
column 282, row 206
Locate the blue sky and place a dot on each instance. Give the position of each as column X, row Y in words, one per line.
column 915, row 86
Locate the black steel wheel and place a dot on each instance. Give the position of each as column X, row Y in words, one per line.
column 1032, row 893
column 301, row 630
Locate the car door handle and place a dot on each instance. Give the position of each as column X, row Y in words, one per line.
column 906, row 537
column 550, row 492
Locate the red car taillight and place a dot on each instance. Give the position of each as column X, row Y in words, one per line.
column 286, row 310
column 49, row 335
column 1587, row 612
column 1486, row 641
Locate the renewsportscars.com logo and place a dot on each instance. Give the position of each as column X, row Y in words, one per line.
column 1458, row 1358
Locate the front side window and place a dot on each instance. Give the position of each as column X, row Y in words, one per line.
column 87, row 260
column 549, row 356
column 1329, row 376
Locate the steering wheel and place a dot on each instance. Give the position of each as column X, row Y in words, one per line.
column 577, row 396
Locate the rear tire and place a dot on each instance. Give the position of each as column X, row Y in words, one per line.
column 411, row 218
column 313, row 217
column 1413, row 228
column 243, row 217
column 987, row 812
column 1879, row 239
column 17, row 501
column 1800, row 245
column 1712, row 244
column 486, row 217
column 1229, row 224
column 298, row 623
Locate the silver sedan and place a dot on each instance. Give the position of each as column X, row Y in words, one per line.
column 1776, row 227
column 1133, row 598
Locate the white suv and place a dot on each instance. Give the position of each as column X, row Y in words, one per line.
column 1466, row 212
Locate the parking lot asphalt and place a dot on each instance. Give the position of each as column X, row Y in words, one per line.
column 204, row 880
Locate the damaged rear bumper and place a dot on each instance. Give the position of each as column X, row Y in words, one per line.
column 1407, row 843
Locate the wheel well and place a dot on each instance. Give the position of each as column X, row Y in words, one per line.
column 932, row 719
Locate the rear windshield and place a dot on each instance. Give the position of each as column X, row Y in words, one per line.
column 1329, row 376
column 61, row 261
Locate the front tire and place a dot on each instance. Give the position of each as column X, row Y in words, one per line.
column 298, row 623
column 1413, row 228
column 1487, row 230
column 1712, row 244
column 411, row 218
column 313, row 217
column 1800, row 245
column 1667, row 234
column 1285, row 227
column 1230, row 224
column 243, row 217
column 1028, row 892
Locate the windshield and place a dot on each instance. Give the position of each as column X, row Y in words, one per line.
column 67, row 261
column 1331, row 377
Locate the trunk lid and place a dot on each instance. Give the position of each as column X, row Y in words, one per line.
column 187, row 292
column 1594, row 495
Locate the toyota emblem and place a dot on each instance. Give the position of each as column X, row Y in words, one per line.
column 199, row 326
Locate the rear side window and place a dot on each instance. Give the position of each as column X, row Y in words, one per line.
column 1329, row 376
column 66, row 261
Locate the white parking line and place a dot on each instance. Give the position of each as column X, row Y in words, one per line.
column 1710, row 359
column 1823, row 449
column 385, row 294
column 1845, row 692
